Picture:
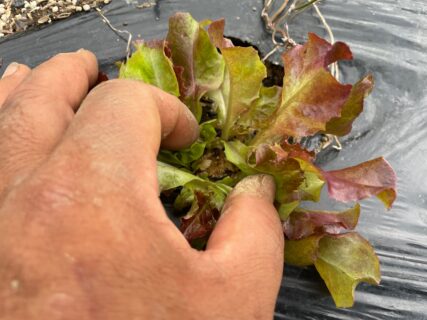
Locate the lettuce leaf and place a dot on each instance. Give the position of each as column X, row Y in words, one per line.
column 342, row 125
column 184, row 158
column 244, row 73
column 150, row 64
column 375, row 177
column 343, row 262
column 170, row 177
column 216, row 34
column 255, row 118
column 303, row 223
column 237, row 153
column 201, row 65
column 205, row 200
column 302, row 252
column 311, row 96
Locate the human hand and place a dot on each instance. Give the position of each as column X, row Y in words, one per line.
column 83, row 234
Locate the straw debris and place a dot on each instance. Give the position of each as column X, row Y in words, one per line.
column 19, row 15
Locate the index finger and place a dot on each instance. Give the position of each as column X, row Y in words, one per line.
column 109, row 151
column 35, row 115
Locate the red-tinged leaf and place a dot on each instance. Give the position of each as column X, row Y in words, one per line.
column 288, row 183
column 311, row 96
column 287, row 175
column 102, row 77
column 343, row 262
column 302, row 252
column 352, row 108
column 316, row 54
column 372, row 178
column 278, row 153
column 216, row 34
column 202, row 220
column 296, row 177
column 303, row 223
column 179, row 73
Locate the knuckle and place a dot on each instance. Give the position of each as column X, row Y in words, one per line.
column 47, row 194
column 122, row 93
column 27, row 98
column 25, row 95
column 14, row 119
column 19, row 116
column 68, row 59
column 71, row 64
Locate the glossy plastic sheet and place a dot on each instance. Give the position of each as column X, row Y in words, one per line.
column 388, row 39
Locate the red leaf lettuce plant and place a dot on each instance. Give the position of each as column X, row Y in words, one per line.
column 248, row 128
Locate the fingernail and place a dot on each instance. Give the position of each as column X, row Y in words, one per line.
column 260, row 185
column 81, row 50
column 11, row 69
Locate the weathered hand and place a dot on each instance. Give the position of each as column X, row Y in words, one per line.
column 83, row 234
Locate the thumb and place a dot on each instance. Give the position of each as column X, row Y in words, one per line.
column 248, row 237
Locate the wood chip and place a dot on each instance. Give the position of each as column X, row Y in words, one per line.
column 63, row 15
column 43, row 19
column 145, row 5
column 19, row 15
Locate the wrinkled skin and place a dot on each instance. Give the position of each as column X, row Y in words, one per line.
column 83, row 234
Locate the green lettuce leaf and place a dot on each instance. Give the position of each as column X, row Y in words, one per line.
column 186, row 157
column 150, row 64
column 201, row 65
column 285, row 209
column 244, row 73
column 303, row 252
column 237, row 153
column 255, row 118
column 170, row 177
column 311, row 188
column 343, row 262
